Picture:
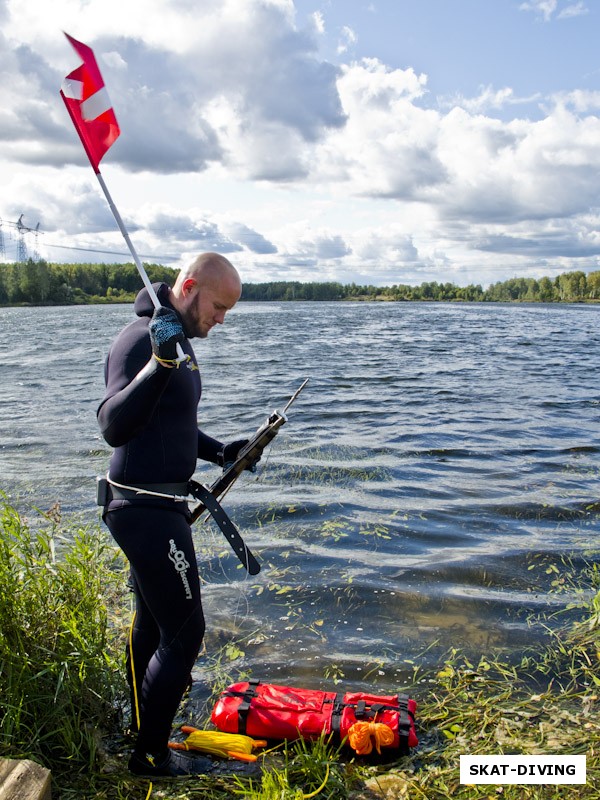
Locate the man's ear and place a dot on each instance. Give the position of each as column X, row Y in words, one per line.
column 188, row 287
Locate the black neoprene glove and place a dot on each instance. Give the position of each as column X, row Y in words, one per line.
column 165, row 332
column 230, row 452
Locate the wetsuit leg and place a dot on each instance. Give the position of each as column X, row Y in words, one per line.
column 143, row 640
column 158, row 544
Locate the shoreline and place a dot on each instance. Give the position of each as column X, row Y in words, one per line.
column 458, row 301
column 544, row 703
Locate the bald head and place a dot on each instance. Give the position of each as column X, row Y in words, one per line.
column 208, row 269
column 205, row 291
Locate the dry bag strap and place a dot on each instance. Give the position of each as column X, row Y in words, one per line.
column 231, row 533
column 404, row 721
column 364, row 710
column 336, row 714
column 405, row 717
column 244, row 707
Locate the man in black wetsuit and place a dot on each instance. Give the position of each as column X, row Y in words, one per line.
column 149, row 416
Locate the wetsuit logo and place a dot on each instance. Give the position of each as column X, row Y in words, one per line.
column 181, row 566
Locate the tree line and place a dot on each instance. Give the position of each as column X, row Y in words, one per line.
column 40, row 282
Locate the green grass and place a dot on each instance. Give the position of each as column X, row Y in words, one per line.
column 58, row 681
column 63, row 620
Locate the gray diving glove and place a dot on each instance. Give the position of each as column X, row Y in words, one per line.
column 165, row 332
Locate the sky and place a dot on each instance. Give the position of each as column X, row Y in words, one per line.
column 378, row 142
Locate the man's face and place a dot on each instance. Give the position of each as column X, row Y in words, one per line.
column 207, row 305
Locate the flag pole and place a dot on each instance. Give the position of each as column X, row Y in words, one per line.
column 181, row 356
column 123, row 229
column 91, row 113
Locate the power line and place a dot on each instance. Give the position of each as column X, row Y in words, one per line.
column 109, row 252
column 22, row 252
column 21, row 246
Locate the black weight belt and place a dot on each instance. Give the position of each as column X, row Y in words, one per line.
column 211, row 504
column 227, row 527
column 148, row 490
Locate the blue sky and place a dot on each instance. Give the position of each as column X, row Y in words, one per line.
column 533, row 48
column 377, row 142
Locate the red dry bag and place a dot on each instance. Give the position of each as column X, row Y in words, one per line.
column 266, row 711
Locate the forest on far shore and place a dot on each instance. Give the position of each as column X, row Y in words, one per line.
column 42, row 283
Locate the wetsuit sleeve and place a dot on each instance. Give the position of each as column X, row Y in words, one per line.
column 208, row 448
column 134, row 386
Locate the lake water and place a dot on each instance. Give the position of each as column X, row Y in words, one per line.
column 436, row 469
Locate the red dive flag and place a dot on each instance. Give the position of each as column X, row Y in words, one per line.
column 89, row 105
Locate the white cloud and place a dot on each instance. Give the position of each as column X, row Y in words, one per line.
column 580, row 100
column 574, row 10
column 245, row 56
column 348, row 38
column 371, row 182
column 319, row 22
column 387, row 146
column 489, row 99
column 547, row 9
column 250, row 238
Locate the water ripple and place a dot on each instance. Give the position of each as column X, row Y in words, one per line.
column 438, row 456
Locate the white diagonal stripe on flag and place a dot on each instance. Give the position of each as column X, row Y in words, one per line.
column 72, row 89
column 95, row 105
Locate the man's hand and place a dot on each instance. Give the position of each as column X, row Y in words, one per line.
column 230, row 452
column 165, row 332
